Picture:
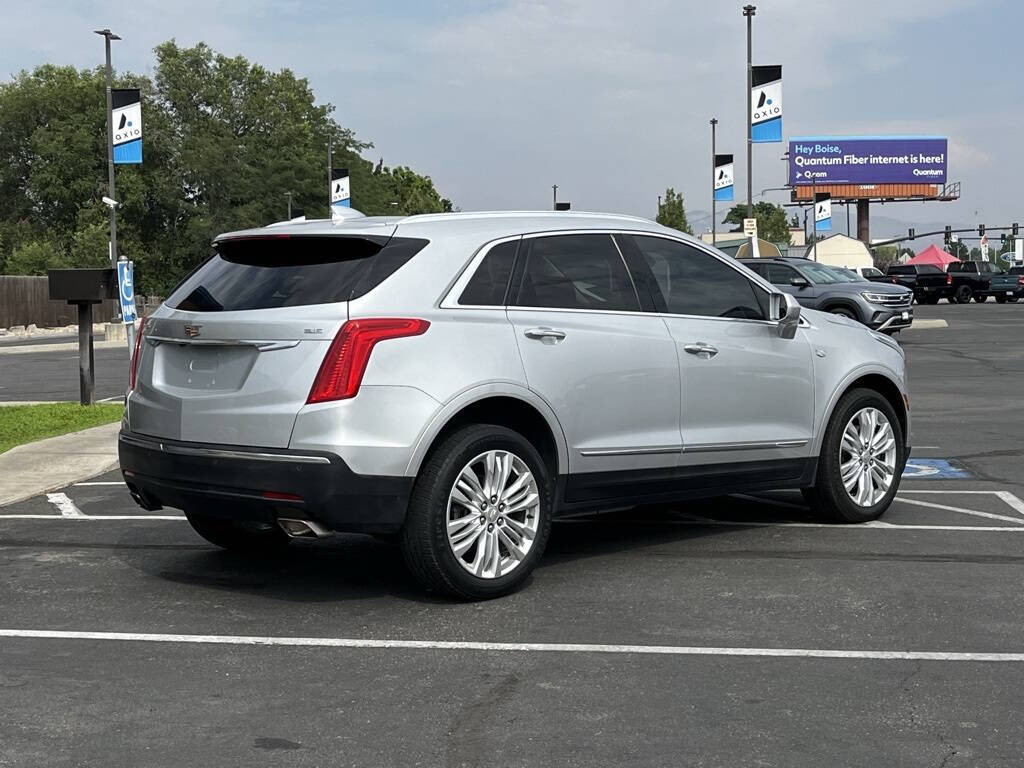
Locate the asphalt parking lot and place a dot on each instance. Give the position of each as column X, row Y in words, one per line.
column 731, row 632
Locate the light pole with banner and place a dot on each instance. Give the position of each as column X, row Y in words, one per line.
column 748, row 13
column 714, row 196
column 107, row 37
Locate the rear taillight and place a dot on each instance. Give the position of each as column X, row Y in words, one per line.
column 135, row 354
column 896, row 280
column 1020, row 280
column 949, row 279
column 345, row 362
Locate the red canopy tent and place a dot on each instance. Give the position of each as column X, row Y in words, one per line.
column 935, row 256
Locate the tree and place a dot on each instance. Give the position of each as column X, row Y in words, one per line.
column 672, row 212
column 884, row 255
column 772, row 224
column 225, row 139
column 959, row 250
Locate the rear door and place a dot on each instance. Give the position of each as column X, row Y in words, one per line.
column 231, row 355
column 607, row 368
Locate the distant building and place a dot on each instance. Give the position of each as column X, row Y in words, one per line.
column 840, row 251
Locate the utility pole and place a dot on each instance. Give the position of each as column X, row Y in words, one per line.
column 107, row 37
column 554, row 197
column 289, row 196
column 748, row 13
column 330, row 172
column 714, row 224
column 814, row 218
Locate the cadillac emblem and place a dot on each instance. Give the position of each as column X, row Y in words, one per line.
column 192, row 330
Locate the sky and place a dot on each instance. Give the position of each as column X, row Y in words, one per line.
column 497, row 100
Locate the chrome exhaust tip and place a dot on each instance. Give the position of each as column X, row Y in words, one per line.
column 302, row 529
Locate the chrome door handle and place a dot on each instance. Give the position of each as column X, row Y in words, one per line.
column 701, row 349
column 544, row 333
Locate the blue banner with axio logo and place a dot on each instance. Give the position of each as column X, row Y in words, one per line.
column 126, row 122
column 766, row 104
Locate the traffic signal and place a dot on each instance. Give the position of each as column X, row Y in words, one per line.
column 949, row 233
column 981, row 230
column 1014, row 229
column 1002, row 237
column 910, row 233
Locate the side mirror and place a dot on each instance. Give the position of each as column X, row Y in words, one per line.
column 800, row 282
column 785, row 310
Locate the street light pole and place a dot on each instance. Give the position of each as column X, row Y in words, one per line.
column 554, row 197
column 107, row 37
column 330, row 173
column 748, row 12
column 289, row 196
column 714, row 224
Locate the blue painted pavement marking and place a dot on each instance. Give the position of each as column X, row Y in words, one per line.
column 933, row 469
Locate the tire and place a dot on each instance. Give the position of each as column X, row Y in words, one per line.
column 426, row 543
column 1012, row 299
column 1000, row 299
column 829, row 498
column 963, row 294
column 843, row 312
column 243, row 537
column 980, row 297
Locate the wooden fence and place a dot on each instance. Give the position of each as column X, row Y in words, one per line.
column 26, row 300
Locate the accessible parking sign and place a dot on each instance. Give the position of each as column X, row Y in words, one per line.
column 867, row 160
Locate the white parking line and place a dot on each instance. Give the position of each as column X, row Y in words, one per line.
column 459, row 645
column 64, row 505
column 105, row 482
column 962, row 511
column 92, row 518
column 1010, row 499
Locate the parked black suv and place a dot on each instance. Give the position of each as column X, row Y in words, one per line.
column 881, row 306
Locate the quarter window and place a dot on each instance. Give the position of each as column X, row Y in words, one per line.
column 490, row 281
column 576, row 272
column 693, row 282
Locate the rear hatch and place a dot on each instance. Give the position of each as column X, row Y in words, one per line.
column 231, row 355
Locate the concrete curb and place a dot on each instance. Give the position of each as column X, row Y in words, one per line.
column 46, row 465
column 23, row 349
column 924, row 325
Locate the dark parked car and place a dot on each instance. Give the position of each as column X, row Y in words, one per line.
column 928, row 282
column 880, row 306
column 972, row 280
column 1009, row 286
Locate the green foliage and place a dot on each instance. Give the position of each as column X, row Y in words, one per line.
column 884, row 255
column 672, row 212
column 34, row 257
column 959, row 250
column 224, row 140
column 772, row 224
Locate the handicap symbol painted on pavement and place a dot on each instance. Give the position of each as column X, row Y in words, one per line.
column 933, row 469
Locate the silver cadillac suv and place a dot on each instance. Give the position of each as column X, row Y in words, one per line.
column 462, row 379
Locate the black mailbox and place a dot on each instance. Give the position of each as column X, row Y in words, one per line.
column 78, row 286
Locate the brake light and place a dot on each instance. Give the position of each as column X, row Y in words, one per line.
column 896, row 280
column 1020, row 280
column 949, row 279
column 133, row 370
column 343, row 367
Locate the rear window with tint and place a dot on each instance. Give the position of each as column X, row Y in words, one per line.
column 1017, row 270
column 271, row 271
column 898, row 270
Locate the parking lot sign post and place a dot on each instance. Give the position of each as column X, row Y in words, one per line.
column 126, row 294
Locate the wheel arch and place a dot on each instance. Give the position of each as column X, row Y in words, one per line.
column 880, row 382
column 521, row 411
column 832, row 303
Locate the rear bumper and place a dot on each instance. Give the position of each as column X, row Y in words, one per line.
column 232, row 482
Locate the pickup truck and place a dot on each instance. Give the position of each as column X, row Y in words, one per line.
column 971, row 279
column 1008, row 287
column 928, row 282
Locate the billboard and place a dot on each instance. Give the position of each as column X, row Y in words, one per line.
column 867, row 160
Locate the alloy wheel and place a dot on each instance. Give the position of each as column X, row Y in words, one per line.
column 867, row 457
column 493, row 514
